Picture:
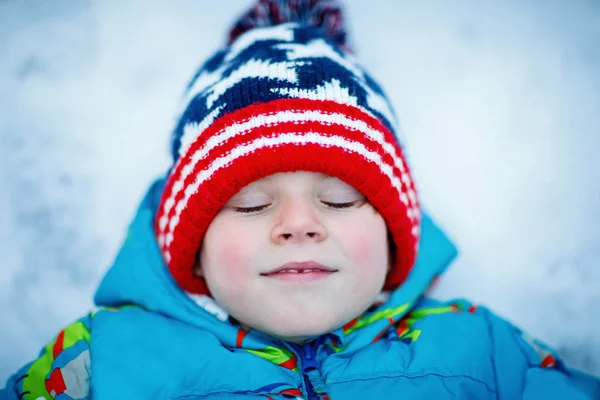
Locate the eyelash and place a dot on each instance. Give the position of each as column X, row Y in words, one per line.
column 336, row 206
column 340, row 205
column 248, row 210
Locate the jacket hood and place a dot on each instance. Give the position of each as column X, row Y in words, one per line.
column 140, row 277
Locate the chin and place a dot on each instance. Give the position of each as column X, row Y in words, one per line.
column 296, row 332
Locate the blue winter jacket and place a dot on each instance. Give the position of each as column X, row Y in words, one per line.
column 149, row 340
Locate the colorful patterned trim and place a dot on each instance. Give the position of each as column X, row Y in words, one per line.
column 62, row 371
column 361, row 322
column 63, row 366
column 282, row 357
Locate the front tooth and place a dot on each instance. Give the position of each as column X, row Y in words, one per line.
column 293, row 271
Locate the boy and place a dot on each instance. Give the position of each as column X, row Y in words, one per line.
column 285, row 255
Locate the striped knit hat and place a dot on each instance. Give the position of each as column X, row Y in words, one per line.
column 284, row 95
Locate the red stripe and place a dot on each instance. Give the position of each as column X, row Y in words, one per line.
column 402, row 328
column 379, row 335
column 276, row 106
column 350, row 324
column 58, row 344
column 549, row 361
column 291, row 392
column 309, row 157
column 273, row 107
column 240, row 337
column 292, row 363
column 55, row 383
column 391, row 322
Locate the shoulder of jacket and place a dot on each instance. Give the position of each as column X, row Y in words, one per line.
column 63, row 366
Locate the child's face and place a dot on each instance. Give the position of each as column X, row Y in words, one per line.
column 292, row 217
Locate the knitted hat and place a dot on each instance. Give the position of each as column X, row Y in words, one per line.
column 284, row 95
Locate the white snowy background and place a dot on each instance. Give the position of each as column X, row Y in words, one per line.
column 499, row 103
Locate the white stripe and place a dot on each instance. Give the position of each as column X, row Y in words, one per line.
column 327, row 91
column 283, row 32
column 206, row 79
column 259, row 121
column 416, row 230
column 284, row 70
column 213, row 84
column 287, row 138
column 320, row 48
column 192, row 131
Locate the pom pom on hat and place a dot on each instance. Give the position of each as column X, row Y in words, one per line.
column 326, row 15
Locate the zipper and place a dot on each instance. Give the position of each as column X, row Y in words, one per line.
column 309, row 363
column 308, row 359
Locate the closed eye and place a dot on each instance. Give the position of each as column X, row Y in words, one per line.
column 251, row 209
column 340, row 205
column 328, row 204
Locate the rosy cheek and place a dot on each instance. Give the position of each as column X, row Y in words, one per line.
column 367, row 247
column 228, row 248
column 234, row 262
column 360, row 246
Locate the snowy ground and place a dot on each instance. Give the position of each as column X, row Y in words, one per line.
column 500, row 105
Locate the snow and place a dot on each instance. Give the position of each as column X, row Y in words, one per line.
column 499, row 103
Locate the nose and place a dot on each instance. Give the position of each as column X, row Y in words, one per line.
column 298, row 222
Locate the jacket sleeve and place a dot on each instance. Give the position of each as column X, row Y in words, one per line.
column 61, row 371
column 529, row 370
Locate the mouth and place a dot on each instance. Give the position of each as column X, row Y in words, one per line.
column 300, row 272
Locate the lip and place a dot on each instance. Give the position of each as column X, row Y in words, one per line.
column 313, row 273
column 314, row 266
